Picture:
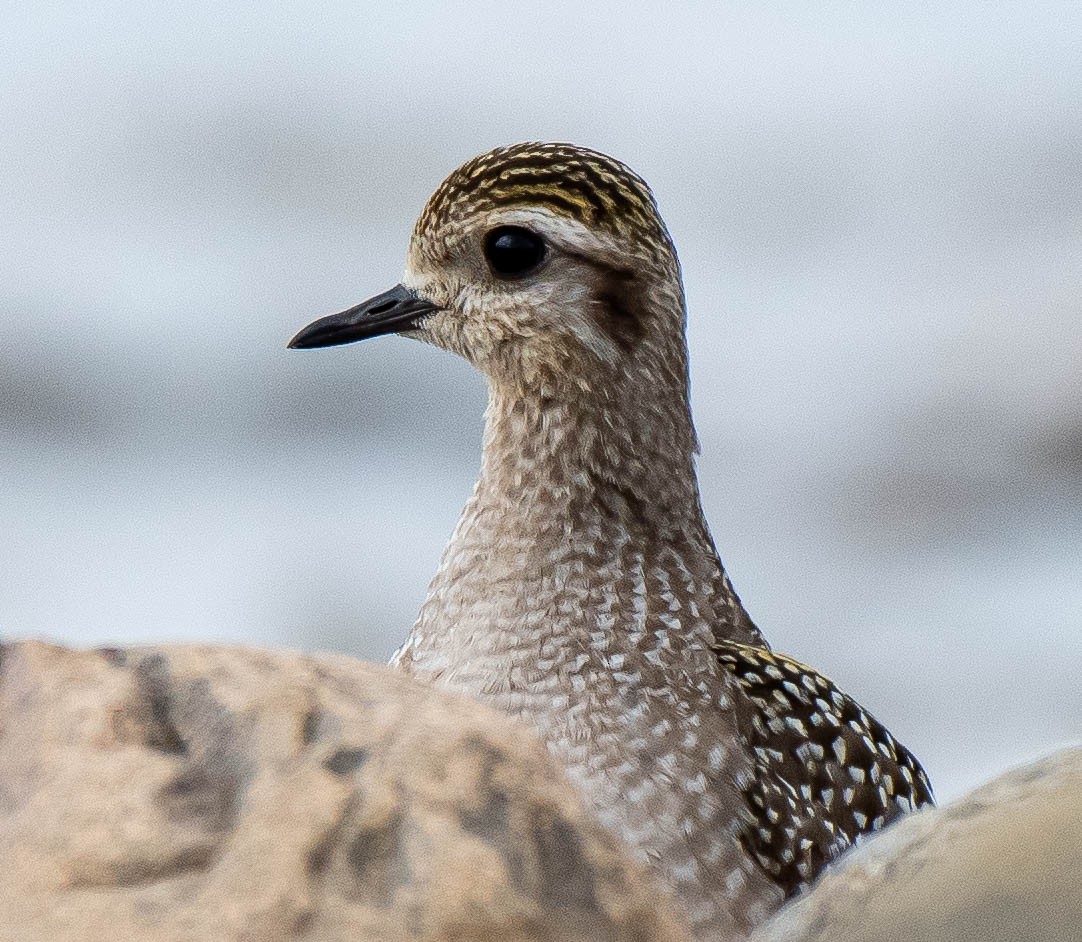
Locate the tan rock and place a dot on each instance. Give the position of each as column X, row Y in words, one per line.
column 201, row 793
column 1003, row 864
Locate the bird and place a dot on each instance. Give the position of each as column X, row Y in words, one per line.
column 581, row 591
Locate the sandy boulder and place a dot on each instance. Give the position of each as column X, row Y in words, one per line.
column 1002, row 864
column 204, row 793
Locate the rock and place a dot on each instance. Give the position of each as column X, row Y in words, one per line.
column 203, row 793
column 1003, row 864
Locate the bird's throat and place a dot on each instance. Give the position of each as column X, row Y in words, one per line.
column 584, row 533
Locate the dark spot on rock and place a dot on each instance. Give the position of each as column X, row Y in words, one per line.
column 186, row 720
column 197, row 794
column 818, row 926
column 144, row 870
column 303, row 922
column 319, row 857
column 310, row 727
column 155, row 687
column 344, row 761
column 490, row 755
column 567, row 879
column 489, row 817
column 970, row 808
column 373, row 844
column 490, row 821
column 114, row 657
column 379, row 860
column 319, row 726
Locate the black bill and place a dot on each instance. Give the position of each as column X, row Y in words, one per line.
column 389, row 313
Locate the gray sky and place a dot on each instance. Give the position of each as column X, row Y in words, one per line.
column 879, row 213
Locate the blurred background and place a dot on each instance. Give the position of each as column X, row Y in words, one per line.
column 879, row 212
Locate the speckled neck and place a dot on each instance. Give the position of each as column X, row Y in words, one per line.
column 585, row 525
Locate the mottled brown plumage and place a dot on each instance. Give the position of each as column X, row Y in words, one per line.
column 581, row 591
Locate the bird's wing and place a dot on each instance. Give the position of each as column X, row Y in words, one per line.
column 825, row 771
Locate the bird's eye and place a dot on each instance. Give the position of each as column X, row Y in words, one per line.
column 513, row 251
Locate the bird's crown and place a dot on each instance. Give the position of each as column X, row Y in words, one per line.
column 587, row 186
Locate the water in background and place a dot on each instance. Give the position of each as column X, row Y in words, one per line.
column 879, row 217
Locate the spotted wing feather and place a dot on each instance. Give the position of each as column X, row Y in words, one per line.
column 825, row 771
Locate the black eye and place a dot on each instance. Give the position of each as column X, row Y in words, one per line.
column 512, row 250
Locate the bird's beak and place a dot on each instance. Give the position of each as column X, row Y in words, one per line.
column 389, row 313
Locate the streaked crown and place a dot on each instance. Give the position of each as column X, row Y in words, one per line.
column 589, row 187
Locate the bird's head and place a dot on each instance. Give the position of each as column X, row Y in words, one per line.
column 547, row 266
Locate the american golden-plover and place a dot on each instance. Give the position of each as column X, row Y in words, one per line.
column 581, row 591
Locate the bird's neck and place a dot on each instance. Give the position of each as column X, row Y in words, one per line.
column 577, row 452
column 584, row 531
